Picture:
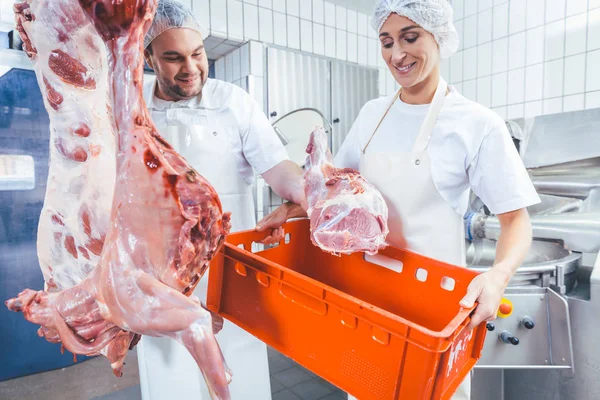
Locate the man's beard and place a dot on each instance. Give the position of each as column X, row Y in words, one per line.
column 177, row 92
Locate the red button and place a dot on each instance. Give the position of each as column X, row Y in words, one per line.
column 505, row 308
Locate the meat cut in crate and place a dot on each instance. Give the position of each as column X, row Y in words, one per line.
column 128, row 227
column 347, row 214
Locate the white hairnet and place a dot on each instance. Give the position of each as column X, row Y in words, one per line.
column 435, row 16
column 172, row 14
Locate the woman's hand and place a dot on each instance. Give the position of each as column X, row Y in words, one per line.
column 487, row 289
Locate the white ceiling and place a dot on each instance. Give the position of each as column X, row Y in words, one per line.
column 364, row 6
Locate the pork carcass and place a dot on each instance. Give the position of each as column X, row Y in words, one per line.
column 71, row 66
column 347, row 214
column 165, row 224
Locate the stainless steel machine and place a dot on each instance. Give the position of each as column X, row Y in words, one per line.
column 541, row 346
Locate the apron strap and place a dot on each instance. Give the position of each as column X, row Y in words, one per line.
column 429, row 122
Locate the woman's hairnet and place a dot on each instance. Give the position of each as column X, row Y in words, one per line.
column 435, row 16
column 172, row 14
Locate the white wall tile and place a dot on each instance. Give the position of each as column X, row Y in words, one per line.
column 319, row 39
column 293, row 31
column 329, row 14
column 256, row 59
column 460, row 27
column 553, row 78
column 255, row 2
column 576, row 35
column 251, row 31
column 445, row 69
column 458, row 87
column 245, row 60
column 236, row 65
column 341, row 43
column 516, row 86
column 485, row 4
column 555, row 10
column 470, row 64
column 456, row 68
column 235, row 18
column 516, row 48
column 218, row 20
column 200, row 9
column 500, row 55
column 220, row 69
column 306, row 36
column 352, row 47
column 256, row 89
column 535, row 13
column 352, row 18
column 573, row 103
column 484, row 59
column 553, row 106
column 534, row 82
column 533, row 109
column 484, row 91
column 362, row 24
column 594, row 4
column 499, row 89
column 555, row 40
column 594, row 30
column 306, row 10
column 535, row 45
column 470, row 32
column 470, row 89
column 229, row 67
column 518, row 16
column 501, row 111
column 576, row 7
column 318, row 11
column 280, row 29
column 471, row 7
column 374, row 52
column 500, row 27
column 574, row 74
column 265, row 22
column 516, row 111
column 484, row 27
column 266, row 3
column 593, row 77
column 592, row 100
column 458, row 6
column 341, row 18
column 330, row 48
column 279, row 6
column 362, row 50
column 293, row 7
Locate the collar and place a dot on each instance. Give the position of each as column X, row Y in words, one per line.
column 206, row 101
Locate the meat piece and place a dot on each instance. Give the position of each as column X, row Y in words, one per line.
column 166, row 223
column 79, row 190
column 347, row 214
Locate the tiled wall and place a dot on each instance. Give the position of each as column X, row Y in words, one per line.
column 528, row 57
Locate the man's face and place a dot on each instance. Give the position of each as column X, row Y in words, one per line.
column 178, row 58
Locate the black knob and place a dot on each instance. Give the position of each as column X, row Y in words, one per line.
column 490, row 327
column 507, row 337
column 337, row 120
column 274, row 114
column 528, row 323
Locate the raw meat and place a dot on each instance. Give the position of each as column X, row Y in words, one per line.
column 71, row 65
column 165, row 225
column 347, row 214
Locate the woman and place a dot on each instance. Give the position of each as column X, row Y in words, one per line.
column 425, row 147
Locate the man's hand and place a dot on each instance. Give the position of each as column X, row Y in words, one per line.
column 276, row 219
column 487, row 289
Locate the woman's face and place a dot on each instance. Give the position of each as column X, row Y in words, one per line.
column 410, row 52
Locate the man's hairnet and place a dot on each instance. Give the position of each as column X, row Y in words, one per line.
column 435, row 16
column 172, row 14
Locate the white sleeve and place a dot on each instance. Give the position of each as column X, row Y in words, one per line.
column 260, row 144
column 497, row 174
column 348, row 156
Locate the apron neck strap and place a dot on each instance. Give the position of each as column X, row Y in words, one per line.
column 429, row 122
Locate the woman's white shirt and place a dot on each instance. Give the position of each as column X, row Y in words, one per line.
column 470, row 148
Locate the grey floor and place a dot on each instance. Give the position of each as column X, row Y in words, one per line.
column 93, row 380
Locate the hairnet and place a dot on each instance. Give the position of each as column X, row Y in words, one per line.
column 172, row 14
column 435, row 16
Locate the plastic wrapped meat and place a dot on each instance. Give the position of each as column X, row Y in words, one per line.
column 165, row 221
column 347, row 214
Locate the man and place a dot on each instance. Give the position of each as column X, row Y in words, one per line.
column 224, row 135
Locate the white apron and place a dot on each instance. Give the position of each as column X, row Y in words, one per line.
column 420, row 220
column 167, row 370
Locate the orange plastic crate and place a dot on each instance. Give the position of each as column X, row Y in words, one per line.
column 371, row 331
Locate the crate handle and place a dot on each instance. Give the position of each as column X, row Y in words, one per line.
column 303, row 299
column 384, row 261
